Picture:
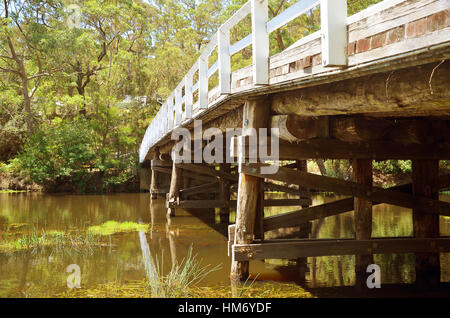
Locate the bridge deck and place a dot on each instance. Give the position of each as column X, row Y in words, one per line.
column 388, row 36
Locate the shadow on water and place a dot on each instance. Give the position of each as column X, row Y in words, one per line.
column 43, row 271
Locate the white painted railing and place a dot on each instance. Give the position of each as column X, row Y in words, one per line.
column 334, row 43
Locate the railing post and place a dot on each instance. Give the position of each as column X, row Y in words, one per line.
column 188, row 97
column 203, row 82
column 164, row 117
column 223, row 39
column 178, row 105
column 333, row 14
column 260, row 44
column 170, row 109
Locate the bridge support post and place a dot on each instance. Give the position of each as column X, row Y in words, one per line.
column 154, row 181
column 224, row 194
column 256, row 115
column 425, row 177
column 175, row 185
column 362, row 174
column 305, row 228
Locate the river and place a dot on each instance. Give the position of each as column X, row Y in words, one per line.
column 41, row 272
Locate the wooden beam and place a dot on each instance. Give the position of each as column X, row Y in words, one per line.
column 206, row 170
column 162, row 170
column 290, row 249
column 208, row 204
column 329, row 209
column 269, row 186
column 349, row 188
column 160, row 163
column 305, row 228
column 224, row 193
column 362, row 174
column 294, row 128
column 155, row 182
column 405, row 92
column 337, row 149
column 161, row 191
column 188, row 174
column 287, row 202
column 425, row 221
column 202, row 204
column 256, row 114
column 165, row 157
column 211, row 187
column 175, row 185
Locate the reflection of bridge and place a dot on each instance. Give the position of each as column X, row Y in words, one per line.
column 373, row 86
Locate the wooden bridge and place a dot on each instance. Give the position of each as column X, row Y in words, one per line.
column 372, row 86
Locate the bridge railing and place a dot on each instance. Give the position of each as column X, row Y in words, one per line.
column 173, row 114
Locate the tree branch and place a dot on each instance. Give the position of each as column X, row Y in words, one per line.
column 9, row 70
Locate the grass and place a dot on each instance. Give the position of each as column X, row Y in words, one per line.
column 54, row 239
column 113, row 227
column 180, row 280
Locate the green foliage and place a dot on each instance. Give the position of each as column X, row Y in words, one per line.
column 106, row 78
column 393, row 166
column 58, row 150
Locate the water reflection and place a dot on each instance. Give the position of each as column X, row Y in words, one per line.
column 42, row 271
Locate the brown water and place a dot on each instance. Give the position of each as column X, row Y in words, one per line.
column 38, row 272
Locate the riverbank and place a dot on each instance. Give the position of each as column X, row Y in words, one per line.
column 89, row 183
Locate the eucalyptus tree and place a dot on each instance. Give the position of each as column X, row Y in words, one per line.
column 26, row 38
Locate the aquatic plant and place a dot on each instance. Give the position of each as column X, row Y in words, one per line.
column 11, row 191
column 55, row 239
column 113, row 227
column 179, row 280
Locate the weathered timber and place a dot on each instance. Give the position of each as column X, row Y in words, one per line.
column 314, row 248
column 256, row 113
column 175, row 185
column 362, row 174
column 208, row 204
column 287, row 202
column 160, row 163
column 349, row 188
column 305, row 228
column 206, row 170
column 231, row 232
column 188, row 174
column 338, row 149
column 154, row 183
column 161, row 190
column 162, row 170
column 329, row 209
column 269, row 186
column 224, row 193
column 405, row 92
column 165, row 157
column 294, row 128
column 212, row 187
column 202, row 204
column 426, row 224
column 145, row 179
